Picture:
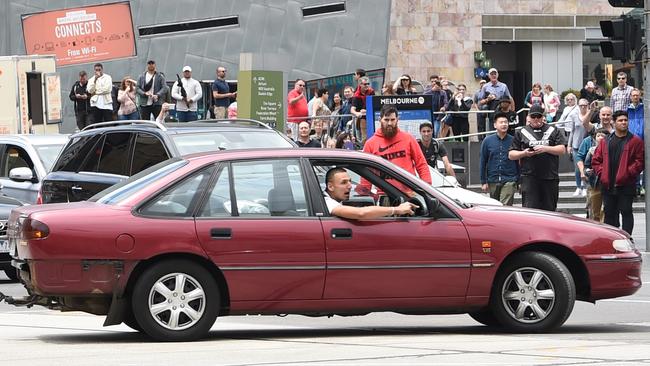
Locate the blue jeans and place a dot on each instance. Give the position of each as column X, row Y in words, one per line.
column 131, row 116
column 577, row 171
column 186, row 116
column 436, row 127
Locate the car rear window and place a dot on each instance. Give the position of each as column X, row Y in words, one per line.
column 189, row 143
column 126, row 188
column 77, row 150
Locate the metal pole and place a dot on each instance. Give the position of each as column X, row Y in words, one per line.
column 646, row 122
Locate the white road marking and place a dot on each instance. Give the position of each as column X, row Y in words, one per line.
column 621, row 300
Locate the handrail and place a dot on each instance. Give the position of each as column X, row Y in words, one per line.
column 125, row 122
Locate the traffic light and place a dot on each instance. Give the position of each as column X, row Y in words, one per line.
column 624, row 35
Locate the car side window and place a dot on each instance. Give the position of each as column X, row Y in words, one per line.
column 115, row 154
column 181, row 198
column 15, row 157
column 148, row 151
column 261, row 188
column 219, row 196
column 76, row 151
column 374, row 186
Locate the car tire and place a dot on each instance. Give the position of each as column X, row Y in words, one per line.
column 533, row 292
column 12, row 274
column 175, row 300
column 131, row 321
column 485, row 317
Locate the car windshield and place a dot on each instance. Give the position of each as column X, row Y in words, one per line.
column 127, row 187
column 189, row 143
column 48, row 154
column 438, row 180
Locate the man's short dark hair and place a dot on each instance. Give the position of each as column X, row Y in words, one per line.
column 500, row 115
column 618, row 114
column 433, row 77
column 330, row 174
column 99, row 65
column 425, row 124
column 297, row 80
column 82, row 73
column 360, row 72
column 387, row 109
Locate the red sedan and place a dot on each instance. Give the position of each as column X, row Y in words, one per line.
column 249, row 232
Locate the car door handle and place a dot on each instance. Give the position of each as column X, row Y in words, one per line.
column 76, row 188
column 221, row 233
column 341, row 233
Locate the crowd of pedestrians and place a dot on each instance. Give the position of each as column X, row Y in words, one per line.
column 97, row 99
column 522, row 154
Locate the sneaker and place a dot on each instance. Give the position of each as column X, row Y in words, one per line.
column 577, row 192
column 583, row 192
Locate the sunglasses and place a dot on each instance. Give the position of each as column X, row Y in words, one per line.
column 621, row 78
column 365, row 84
column 537, row 116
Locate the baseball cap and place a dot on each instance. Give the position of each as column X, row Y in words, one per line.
column 536, row 110
column 504, row 100
column 590, row 84
column 482, row 81
column 492, row 70
column 187, row 68
column 151, row 62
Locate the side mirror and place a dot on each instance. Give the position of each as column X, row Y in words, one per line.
column 22, row 174
column 434, row 205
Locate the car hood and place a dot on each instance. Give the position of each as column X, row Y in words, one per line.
column 468, row 196
column 552, row 223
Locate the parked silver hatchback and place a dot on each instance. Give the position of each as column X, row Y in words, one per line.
column 24, row 162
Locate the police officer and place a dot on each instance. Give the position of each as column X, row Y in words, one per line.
column 538, row 146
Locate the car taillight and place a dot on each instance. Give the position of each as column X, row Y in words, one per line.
column 34, row 229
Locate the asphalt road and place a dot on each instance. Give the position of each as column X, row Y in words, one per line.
column 612, row 332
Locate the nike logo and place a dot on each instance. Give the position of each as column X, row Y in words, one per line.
column 382, row 149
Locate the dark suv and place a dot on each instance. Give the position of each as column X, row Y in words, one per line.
column 103, row 154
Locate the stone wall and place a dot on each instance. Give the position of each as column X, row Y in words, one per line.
column 440, row 36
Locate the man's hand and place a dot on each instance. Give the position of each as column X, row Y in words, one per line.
column 406, row 208
column 484, row 187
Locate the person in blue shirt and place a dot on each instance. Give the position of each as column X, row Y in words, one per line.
column 583, row 161
column 635, row 117
column 499, row 174
column 635, row 113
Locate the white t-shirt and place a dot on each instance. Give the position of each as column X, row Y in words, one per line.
column 331, row 202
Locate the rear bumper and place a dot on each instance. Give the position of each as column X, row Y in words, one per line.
column 73, row 277
column 614, row 277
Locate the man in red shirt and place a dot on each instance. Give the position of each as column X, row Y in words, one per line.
column 399, row 147
column 296, row 106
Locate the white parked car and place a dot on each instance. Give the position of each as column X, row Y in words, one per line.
column 450, row 187
column 24, row 162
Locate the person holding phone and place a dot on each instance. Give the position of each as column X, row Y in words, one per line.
column 538, row 146
column 100, row 87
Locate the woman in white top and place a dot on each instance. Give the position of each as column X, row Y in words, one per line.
column 570, row 109
column 551, row 102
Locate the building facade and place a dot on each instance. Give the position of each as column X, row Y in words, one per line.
column 550, row 41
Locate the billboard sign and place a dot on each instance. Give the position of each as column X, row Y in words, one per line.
column 81, row 35
column 412, row 110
